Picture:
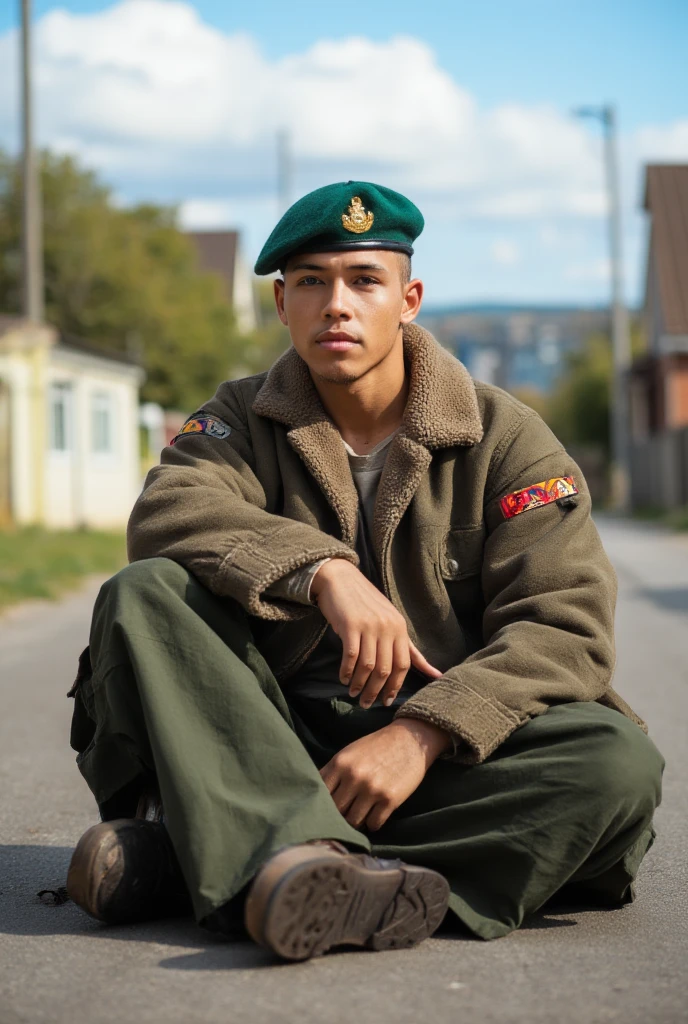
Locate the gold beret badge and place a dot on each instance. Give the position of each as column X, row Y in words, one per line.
column 357, row 219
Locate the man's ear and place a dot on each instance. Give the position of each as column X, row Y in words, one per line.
column 278, row 285
column 412, row 301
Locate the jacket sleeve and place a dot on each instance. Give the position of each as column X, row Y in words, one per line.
column 548, row 625
column 205, row 508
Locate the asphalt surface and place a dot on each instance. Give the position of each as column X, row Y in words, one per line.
column 57, row 965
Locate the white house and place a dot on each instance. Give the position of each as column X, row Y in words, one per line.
column 69, row 446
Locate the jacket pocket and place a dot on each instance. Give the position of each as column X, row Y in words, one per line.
column 460, row 570
column 461, row 553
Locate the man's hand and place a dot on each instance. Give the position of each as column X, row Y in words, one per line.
column 377, row 652
column 374, row 775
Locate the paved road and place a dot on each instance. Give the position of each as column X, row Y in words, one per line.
column 56, row 965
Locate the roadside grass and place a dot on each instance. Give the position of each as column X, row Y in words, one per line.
column 38, row 563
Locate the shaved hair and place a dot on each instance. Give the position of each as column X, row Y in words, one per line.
column 405, row 267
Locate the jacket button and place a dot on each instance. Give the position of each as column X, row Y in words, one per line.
column 452, row 567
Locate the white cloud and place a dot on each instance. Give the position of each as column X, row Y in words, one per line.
column 594, row 272
column 144, row 89
column 663, row 143
column 505, row 252
column 169, row 108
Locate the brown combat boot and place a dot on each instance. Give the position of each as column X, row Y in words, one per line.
column 311, row 897
column 126, row 870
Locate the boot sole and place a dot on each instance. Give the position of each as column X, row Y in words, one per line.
column 337, row 901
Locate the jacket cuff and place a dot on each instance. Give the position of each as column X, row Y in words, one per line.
column 478, row 725
column 247, row 572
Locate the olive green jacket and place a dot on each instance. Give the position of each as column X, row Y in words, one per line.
column 517, row 613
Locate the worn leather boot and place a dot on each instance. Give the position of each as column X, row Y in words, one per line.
column 311, row 897
column 126, row 870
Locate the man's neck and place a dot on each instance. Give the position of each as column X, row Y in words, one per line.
column 372, row 407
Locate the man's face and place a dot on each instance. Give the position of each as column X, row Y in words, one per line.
column 344, row 310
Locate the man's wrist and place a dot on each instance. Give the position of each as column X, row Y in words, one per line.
column 432, row 739
column 326, row 571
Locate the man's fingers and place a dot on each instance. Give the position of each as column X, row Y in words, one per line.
column 367, row 657
column 402, row 663
column 419, row 662
column 330, row 776
column 359, row 810
column 343, row 796
column 384, row 660
column 377, row 816
column 351, row 646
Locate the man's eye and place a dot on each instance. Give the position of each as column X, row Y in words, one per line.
column 366, row 280
column 309, row 280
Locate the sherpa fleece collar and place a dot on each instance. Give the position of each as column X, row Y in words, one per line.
column 442, row 408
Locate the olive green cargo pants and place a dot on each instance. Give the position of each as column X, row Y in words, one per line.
column 179, row 691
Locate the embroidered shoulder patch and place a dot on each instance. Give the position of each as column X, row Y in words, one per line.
column 204, row 425
column 537, row 495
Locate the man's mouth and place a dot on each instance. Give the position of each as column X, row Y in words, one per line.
column 336, row 341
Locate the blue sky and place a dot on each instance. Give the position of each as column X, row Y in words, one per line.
column 511, row 186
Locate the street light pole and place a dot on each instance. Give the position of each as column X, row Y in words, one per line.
column 32, row 231
column 621, row 344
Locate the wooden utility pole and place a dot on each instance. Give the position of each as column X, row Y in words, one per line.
column 619, row 420
column 621, row 339
column 32, row 227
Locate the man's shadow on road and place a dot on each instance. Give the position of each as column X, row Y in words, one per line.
column 27, row 870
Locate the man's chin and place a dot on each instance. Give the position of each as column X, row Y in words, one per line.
column 336, row 372
column 337, row 377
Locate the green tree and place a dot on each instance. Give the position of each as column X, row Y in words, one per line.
column 271, row 339
column 578, row 409
column 122, row 279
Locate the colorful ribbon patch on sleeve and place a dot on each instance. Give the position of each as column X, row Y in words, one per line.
column 537, row 495
column 204, row 425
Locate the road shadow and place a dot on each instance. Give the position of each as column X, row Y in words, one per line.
column 27, row 870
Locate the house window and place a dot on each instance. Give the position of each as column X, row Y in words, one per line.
column 60, row 400
column 102, row 433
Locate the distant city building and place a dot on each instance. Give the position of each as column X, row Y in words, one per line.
column 659, row 380
column 220, row 253
column 512, row 347
column 69, row 446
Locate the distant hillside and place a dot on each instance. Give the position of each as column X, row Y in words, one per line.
column 515, row 346
column 507, row 308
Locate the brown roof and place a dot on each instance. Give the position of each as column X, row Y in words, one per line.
column 666, row 197
column 217, row 252
column 69, row 341
column 8, row 322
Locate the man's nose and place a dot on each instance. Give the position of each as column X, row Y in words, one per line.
column 337, row 307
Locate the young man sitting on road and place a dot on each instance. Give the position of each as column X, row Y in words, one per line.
column 363, row 649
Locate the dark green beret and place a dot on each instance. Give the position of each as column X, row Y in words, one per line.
column 348, row 215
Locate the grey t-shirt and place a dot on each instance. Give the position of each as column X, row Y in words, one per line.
column 319, row 675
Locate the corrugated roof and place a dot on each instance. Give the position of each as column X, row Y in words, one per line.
column 217, row 252
column 666, row 197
